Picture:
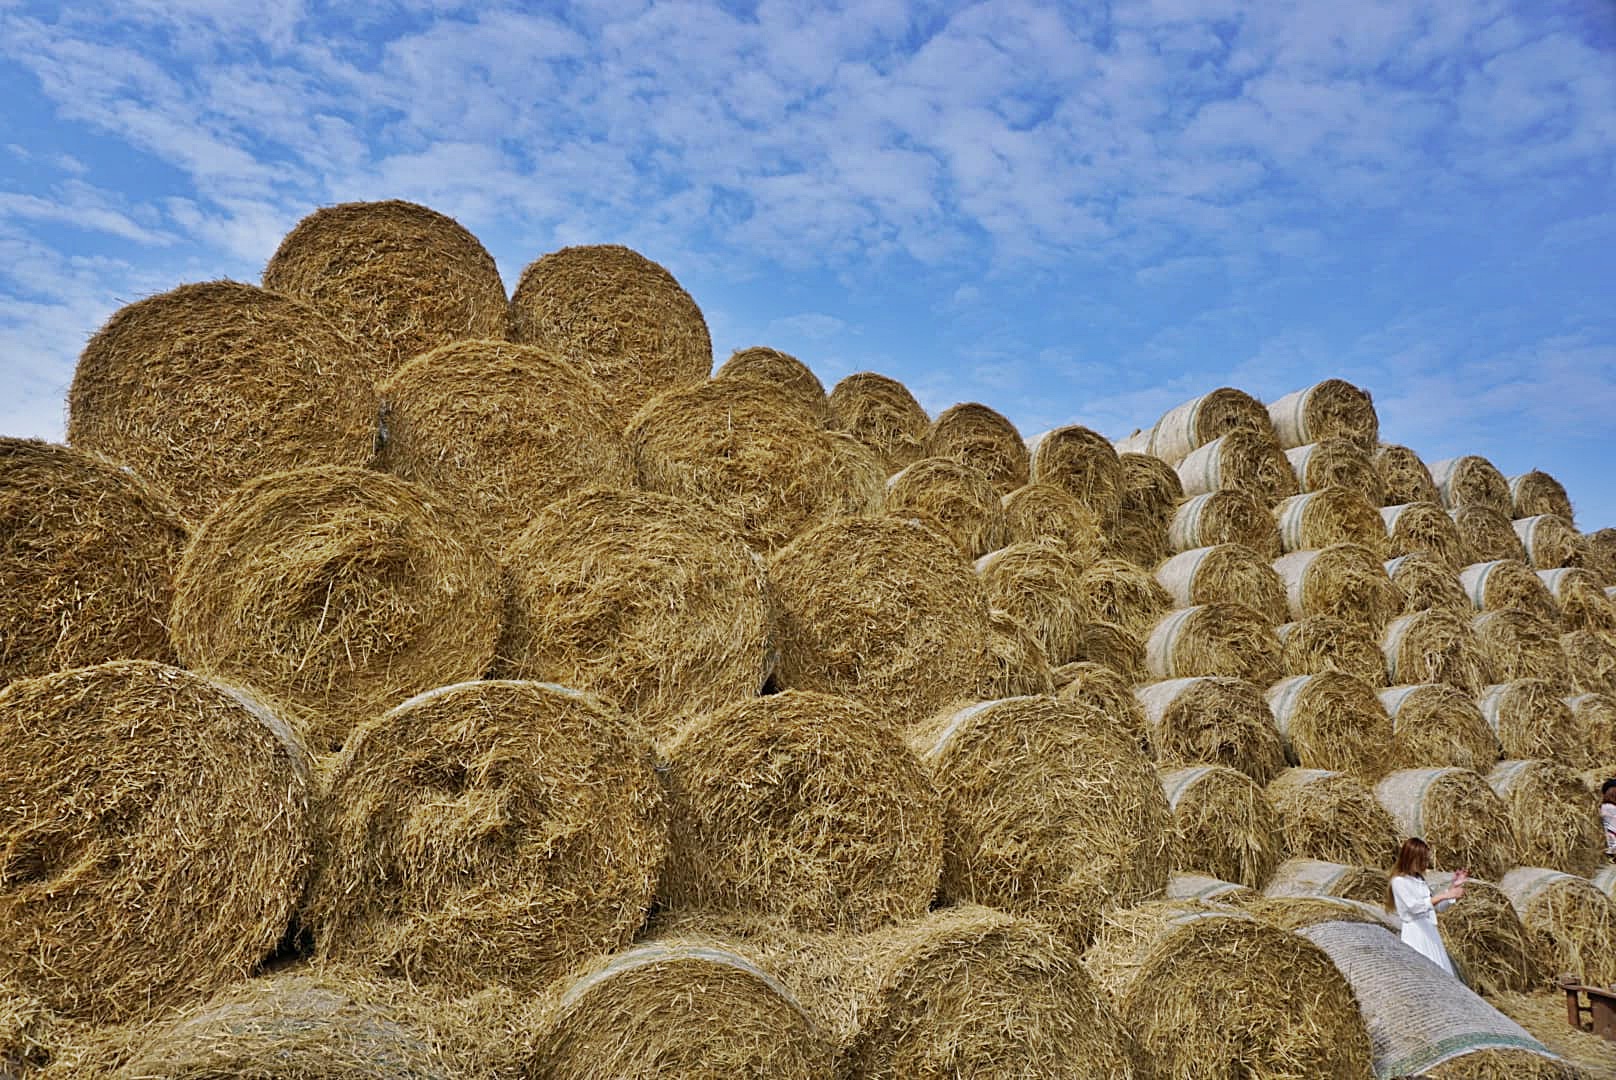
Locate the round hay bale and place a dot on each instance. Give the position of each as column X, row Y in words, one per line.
column 593, row 601
column 1016, row 661
column 1123, row 594
column 394, row 275
column 87, row 559
column 618, row 313
column 1571, row 923
column 1330, row 409
column 1223, row 824
column 1333, row 817
column 1466, row 824
column 1332, row 721
column 1536, row 492
column 1151, row 489
column 1505, row 584
column 650, row 1011
column 1044, row 511
column 1582, row 604
column 1337, row 462
column 156, row 836
column 1224, row 573
column 960, row 498
column 1082, row 463
column 499, row 430
column 882, row 414
column 1488, row 533
column 1435, row 646
column 1135, row 540
column 1098, row 687
column 1316, row 877
column 1437, row 724
column 1109, row 645
column 1427, row 529
column 1602, row 553
column 1194, row 423
column 1427, row 582
column 800, row 806
column 1246, row 461
column 1215, row 994
column 1214, row 639
column 1050, row 811
column 1550, row 541
column 1485, row 938
column 857, row 479
column 202, row 388
column 1343, row 580
column 1210, row 890
column 1321, row 643
column 1595, row 719
column 1590, row 661
column 1404, row 475
column 1531, row 720
column 1224, row 517
column 1039, row 584
column 782, row 373
column 1333, row 515
column 31, row 1036
column 1520, row 645
column 1300, row 912
column 337, row 591
column 1471, row 480
column 1212, row 721
column 978, row 436
column 1555, row 819
column 881, row 610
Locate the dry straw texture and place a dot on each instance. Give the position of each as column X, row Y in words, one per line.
column 1194, row 423
column 1595, row 716
column 1532, row 720
column 1543, row 1013
column 1051, row 812
column 1556, row 820
column 499, row 430
column 857, row 478
column 1151, row 489
column 1602, row 553
column 622, row 316
column 976, row 435
column 1488, row 533
column 1583, row 604
column 1485, row 938
column 1096, row 686
column 787, row 377
column 1223, row 517
column 641, row 598
column 1437, row 724
column 1424, row 528
column 1016, row 660
column 394, row 275
column 1454, row 810
column 1427, row 582
column 1138, row 540
column 960, row 499
column 1404, row 475
column 1333, row 515
column 1039, row 584
column 87, row 560
column 1214, row 639
column 801, row 806
column 337, row 591
column 205, row 387
column 1435, row 646
column 885, row 611
column 1536, row 492
column 1332, row 721
column 1520, row 645
column 1300, row 912
column 1225, row 573
column 1123, row 594
column 1505, row 584
column 1212, row 721
column 31, row 1035
column 1245, row 461
column 1209, row 889
column 1084, row 465
column 1337, row 462
column 1571, row 923
column 1216, row 995
column 1333, row 817
column 1471, row 480
column 882, row 414
column 1550, row 541
column 1111, row 646
column 1591, row 662
column 1321, row 643
column 1344, row 580
column 1316, row 877
column 156, row 837
column 1046, row 512
column 1223, row 825
column 1326, row 410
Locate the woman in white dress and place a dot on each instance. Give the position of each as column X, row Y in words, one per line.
column 1416, row 906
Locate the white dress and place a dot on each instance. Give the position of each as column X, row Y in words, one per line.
column 1418, row 916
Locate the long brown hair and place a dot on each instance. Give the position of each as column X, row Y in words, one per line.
column 1413, row 859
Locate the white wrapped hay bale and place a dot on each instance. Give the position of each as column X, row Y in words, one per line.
column 1333, row 408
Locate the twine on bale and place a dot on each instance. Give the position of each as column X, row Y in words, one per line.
column 976, row 435
column 1485, row 939
column 1344, row 580
column 1039, row 584
column 782, row 373
column 1223, row 517
column 1582, row 604
column 1337, row 462
column 1295, row 878
column 1223, row 825
column 960, row 498
column 882, row 414
column 1246, row 461
column 1466, row 824
column 1046, row 512
column 1570, row 922
column 1437, row 724
column 1471, row 480
column 1098, row 687
column 1194, row 423
column 1016, row 660
column 1536, row 492
column 1332, row 721
column 1404, row 475
column 1330, row 409
column 1214, row 639
column 1550, row 541
column 1332, row 515
column 1322, row 643
column 1520, row 645
column 1427, row 529
column 1123, row 594
column 1212, row 721
column 1427, row 582
column 1590, row 662
column 1531, row 720
column 1333, row 817
column 1436, row 646
column 1555, row 820
column 1225, row 573
column 1084, row 465
column 1488, row 533
column 1505, row 584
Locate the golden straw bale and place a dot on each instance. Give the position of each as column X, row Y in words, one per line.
column 156, row 837
column 1332, row 721
column 1196, row 422
column 1214, row 639
column 960, row 498
column 1212, row 721
column 1296, row 877
column 1330, row 643
column 1208, row 889
column 1435, row 646
column 1099, row 687
column 1044, row 511
column 32, row 1037
column 201, row 389
column 976, row 435
column 1427, row 529
column 1332, row 816
column 1471, row 480
column 1508, row 584
column 787, row 376
column 1595, row 719
column 1571, row 923
column 1084, row 465
column 1332, row 515
column 1488, row 533
column 1427, row 582
column 1244, row 461
column 1123, row 594
column 1466, row 824
column 1139, row 541
column 1330, row 409
column 87, row 559
column 1301, row 912
column 1344, row 580
column 1214, row 994
column 1109, row 645
column 1591, row 662
column 1016, row 662
column 1050, row 811
column 881, row 610
column 1582, row 604
column 1437, row 724
column 1224, row 517
column 1224, row 573
column 1536, row 492
column 1337, row 462
column 1404, row 475
column 624, row 317
column 881, row 413
column 1550, row 541
column 1151, row 489
column 499, row 430
column 1223, row 824
column 801, row 806
column 337, row 591
column 1040, row 584
column 394, row 275
column 1556, row 820
column 1520, row 645
column 1485, row 939
column 1602, row 554
column 1531, row 720
column 857, row 479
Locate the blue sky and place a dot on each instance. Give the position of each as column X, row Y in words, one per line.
column 1082, row 213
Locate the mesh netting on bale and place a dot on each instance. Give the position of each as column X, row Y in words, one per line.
column 1214, row 639
column 801, row 806
column 1225, row 573
column 881, row 413
column 1333, row 817
column 1296, row 877
column 1123, row 594
column 156, row 835
column 1016, row 660
column 501, row 830
column 1051, row 812
column 1322, row 643
column 1113, row 647
column 397, row 276
column 1194, row 423
column 1039, row 584
column 499, row 430
column 1151, row 489
column 622, row 316
column 1338, row 463
column 1581, row 601
column 1520, row 645
column 1531, row 720
column 1550, row 541
column 1212, row 721
column 976, row 435
column 1223, row 825
column 1208, row 889
column 1571, row 923
column 1427, row 582
column 1604, row 880
column 1332, row 721
column 1404, row 475
column 1595, row 718
column 641, row 598
column 1504, row 584
column 339, row 592
column 1590, row 661
column 1223, row 517
column 1556, row 820
column 1488, row 533
column 1435, row 645
column 789, row 378
column 203, row 388
column 1332, row 515
column 1082, row 463
column 1245, row 461
column 1437, row 724
column 1096, row 686
column 1330, row 409
column 1536, row 492
column 1344, row 580
column 1427, row 529
column 960, row 499
column 1046, row 512
column 87, row 559
column 1466, row 824
column 1485, row 939
column 1214, row 994
column 884, row 611
column 1471, row 480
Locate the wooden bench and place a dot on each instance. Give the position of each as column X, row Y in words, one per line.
column 1600, row 1009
